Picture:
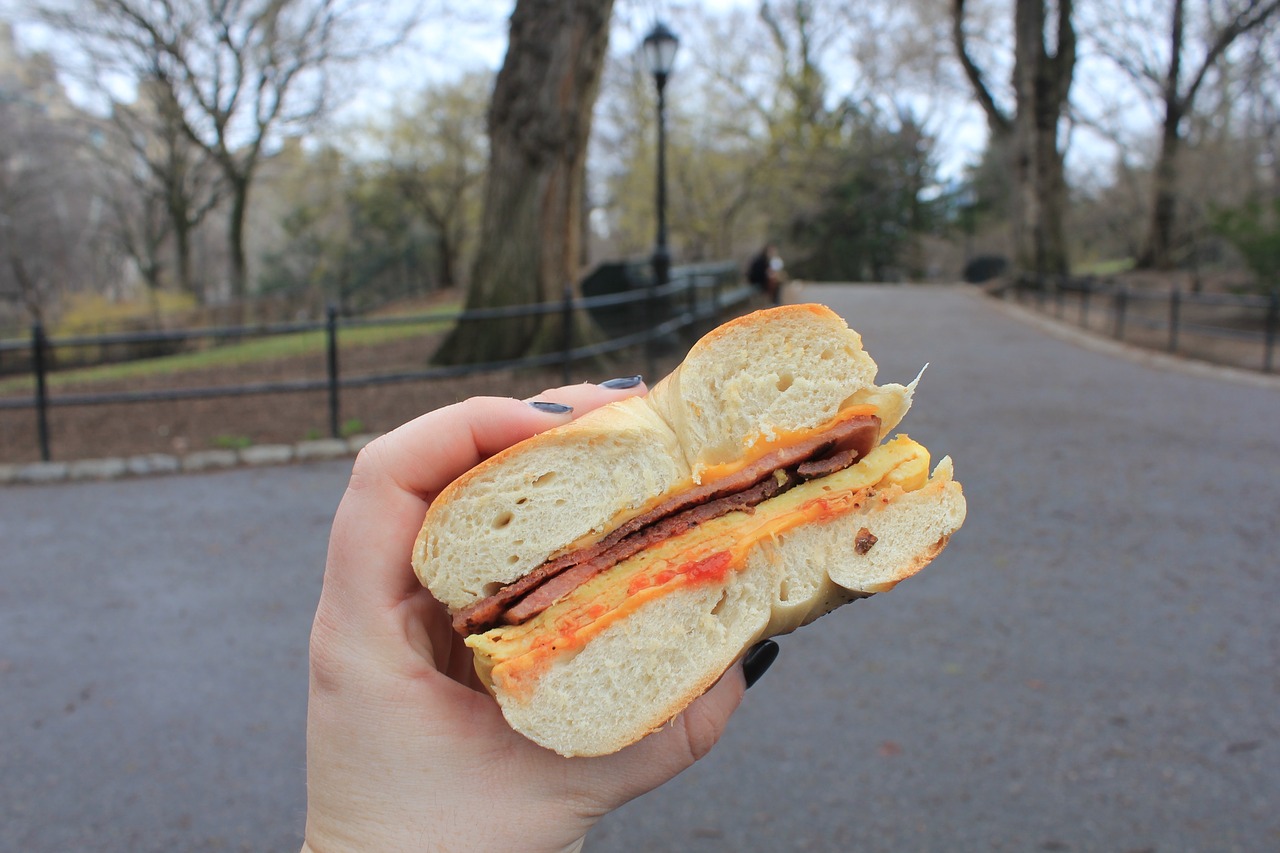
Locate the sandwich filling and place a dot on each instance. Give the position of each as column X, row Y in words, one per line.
column 850, row 437
column 514, row 656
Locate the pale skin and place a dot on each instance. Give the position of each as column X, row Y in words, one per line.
column 405, row 750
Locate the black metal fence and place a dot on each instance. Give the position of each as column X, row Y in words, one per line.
column 696, row 295
column 1244, row 325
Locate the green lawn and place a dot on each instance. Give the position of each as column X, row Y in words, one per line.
column 269, row 348
column 1112, row 266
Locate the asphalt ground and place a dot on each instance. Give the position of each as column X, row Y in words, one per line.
column 1092, row 664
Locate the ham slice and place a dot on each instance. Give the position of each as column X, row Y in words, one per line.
column 818, row 455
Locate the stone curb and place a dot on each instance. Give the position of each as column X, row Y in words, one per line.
column 155, row 464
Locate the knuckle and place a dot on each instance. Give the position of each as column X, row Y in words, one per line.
column 702, row 730
column 329, row 666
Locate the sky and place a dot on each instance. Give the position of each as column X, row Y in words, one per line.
column 444, row 52
column 475, row 37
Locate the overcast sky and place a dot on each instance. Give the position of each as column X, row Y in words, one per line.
column 475, row 37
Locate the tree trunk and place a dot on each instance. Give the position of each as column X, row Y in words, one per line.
column 1040, row 196
column 239, row 269
column 1158, row 251
column 448, row 254
column 182, row 249
column 1041, row 82
column 539, row 123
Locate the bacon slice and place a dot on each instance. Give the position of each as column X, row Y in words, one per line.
column 821, row 454
column 549, row 592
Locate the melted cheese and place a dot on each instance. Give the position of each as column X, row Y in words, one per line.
column 707, row 554
column 754, row 448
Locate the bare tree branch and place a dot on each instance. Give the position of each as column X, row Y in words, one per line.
column 997, row 119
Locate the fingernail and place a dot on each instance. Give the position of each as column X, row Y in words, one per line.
column 551, row 408
column 758, row 660
column 623, row 382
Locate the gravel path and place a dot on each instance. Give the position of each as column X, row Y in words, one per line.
column 1093, row 664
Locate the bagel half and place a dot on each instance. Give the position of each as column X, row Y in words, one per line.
column 780, row 404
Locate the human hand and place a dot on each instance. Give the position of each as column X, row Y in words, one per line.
column 405, row 750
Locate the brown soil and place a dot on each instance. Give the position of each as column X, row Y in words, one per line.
column 98, row 431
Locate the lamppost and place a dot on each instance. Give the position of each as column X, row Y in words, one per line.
column 660, row 50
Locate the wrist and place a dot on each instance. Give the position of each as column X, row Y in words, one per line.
column 572, row 847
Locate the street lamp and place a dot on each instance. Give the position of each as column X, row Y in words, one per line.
column 660, row 50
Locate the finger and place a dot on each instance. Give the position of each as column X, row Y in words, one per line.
column 584, row 397
column 396, row 475
column 658, row 758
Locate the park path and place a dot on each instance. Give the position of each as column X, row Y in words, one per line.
column 1093, row 664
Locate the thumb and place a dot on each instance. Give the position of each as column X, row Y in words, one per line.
column 673, row 749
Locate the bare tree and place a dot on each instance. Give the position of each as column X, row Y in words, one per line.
column 1027, row 131
column 436, row 159
column 47, row 209
column 716, row 140
column 163, row 185
column 1197, row 44
column 240, row 71
column 539, row 123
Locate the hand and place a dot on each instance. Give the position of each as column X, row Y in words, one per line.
column 405, row 751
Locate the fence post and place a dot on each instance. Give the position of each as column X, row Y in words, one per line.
column 1175, row 311
column 331, row 340
column 651, row 320
column 566, row 320
column 1273, row 320
column 38, row 345
column 1084, row 302
column 1122, row 298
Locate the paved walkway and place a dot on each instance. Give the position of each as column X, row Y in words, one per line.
column 1093, row 664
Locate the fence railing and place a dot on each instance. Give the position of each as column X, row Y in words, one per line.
column 696, row 294
column 1246, row 326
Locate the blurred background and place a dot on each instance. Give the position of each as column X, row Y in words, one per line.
column 155, row 175
column 216, row 216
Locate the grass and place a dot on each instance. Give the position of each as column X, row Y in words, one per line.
column 1111, row 266
column 253, row 351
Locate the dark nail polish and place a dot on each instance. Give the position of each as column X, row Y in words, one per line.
column 551, row 408
column 758, row 660
column 623, row 382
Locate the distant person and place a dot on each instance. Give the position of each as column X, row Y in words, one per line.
column 765, row 273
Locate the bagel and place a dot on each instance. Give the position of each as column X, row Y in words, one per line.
column 607, row 572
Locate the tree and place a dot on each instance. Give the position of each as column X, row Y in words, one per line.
column 1254, row 229
column 863, row 222
column 1175, row 79
column 539, row 122
column 435, row 161
column 347, row 235
column 715, row 152
column 767, row 142
column 239, row 71
column 48, row 212
column 1028, row 129
column 163, row 186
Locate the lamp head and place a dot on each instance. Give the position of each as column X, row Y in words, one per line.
column 660, row 47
